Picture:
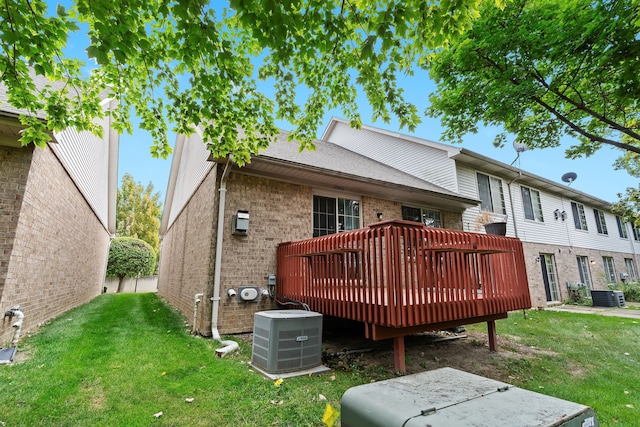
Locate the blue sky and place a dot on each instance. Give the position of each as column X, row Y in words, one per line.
column 596, row 175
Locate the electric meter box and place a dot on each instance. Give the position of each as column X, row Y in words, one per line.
column 448, row 397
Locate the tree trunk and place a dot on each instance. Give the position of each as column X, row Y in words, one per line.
column 120, row 284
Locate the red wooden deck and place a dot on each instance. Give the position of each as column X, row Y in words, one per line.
column 401, row 278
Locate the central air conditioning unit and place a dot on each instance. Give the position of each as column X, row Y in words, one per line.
column 287, row 341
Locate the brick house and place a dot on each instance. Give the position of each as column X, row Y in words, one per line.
column 287, row 196
column 57, row 215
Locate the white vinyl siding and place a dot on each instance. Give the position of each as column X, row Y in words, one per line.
column 193, row 168
column 424, row 159
column 86, row 159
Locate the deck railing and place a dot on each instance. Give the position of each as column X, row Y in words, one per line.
column 399, row 274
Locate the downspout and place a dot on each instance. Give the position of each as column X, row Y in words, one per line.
column 513, row 213
column 196, row 301
column 215, row 306
column 15, row 312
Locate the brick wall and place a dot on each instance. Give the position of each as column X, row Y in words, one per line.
column 566, row 265
column 60, row 249
column 278, row 212
column 186, row 258
column 14, row 169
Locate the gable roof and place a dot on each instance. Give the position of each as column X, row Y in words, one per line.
column 486, row 164
column 331, row 166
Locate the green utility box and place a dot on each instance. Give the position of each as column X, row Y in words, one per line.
column 451, row 398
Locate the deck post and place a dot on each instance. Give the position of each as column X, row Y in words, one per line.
column 399, row 363
column 493, row 336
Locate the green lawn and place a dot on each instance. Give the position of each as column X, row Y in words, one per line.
column 121, row 359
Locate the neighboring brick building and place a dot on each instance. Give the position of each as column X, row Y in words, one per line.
column 287, row 195
column 568, row 236
column 57, row 214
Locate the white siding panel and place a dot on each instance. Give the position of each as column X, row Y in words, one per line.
column 551, row 231
column 86, row 159
column 428, row 163
column 192, row 170
column 468, row 187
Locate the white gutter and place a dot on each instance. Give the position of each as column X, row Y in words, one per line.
column 215, row 306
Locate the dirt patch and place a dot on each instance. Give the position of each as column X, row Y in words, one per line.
column 467, row 351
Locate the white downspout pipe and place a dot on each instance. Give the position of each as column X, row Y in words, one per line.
column 215, row 306
column 15, row 312
column 196, row 301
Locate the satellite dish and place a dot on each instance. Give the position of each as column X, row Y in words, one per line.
column 569, row 177
column 519, row 146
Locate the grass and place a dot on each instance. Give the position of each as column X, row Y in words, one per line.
column 121, row 359
column 590, row 359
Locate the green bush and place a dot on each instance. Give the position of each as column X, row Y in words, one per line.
column 129, row 257
column 631, row 290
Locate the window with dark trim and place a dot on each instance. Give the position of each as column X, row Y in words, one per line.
column 532, row 204
column 601, row 223
column 428, row 217
column 333, row 215
column 622, row 228
column 579, row 218
column 609, row 269
column 490, row 193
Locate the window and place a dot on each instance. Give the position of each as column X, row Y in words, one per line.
column 532, row 204
column 490, row 193
column 609, row 269
column 636, row 233
column 579, row 218
column 583, row 269
column 622, row 228
column 601, row 223
column 631, row 269
column 549, row 277
column 333, row 215
column 428, row 217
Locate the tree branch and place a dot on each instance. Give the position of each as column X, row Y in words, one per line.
column 581, row 131
column 582, row 107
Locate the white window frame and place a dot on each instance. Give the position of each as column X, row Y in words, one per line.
column 609, row 269
column 533, row 201
column 337, row 198
column 496, row 194
column 580, row 222
column 426, row 214
column 631, row 269
column 622, row 228
column 601, row 222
